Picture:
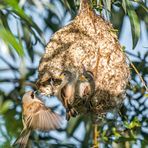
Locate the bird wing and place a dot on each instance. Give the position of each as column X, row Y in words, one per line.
column 42, row 118
column 63, row 94
column 67, row 95
column 67, row 92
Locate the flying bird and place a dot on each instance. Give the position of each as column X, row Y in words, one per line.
column 35, row 115
column 66, row 92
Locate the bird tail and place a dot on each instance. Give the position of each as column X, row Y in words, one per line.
column 22, row 140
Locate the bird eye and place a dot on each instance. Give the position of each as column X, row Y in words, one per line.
column 86, row 77
column 32, row 95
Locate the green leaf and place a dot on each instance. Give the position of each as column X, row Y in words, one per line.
column 54, row 10
column 107, row 5
column 116, row 133
column 135, row 24
column 14, row 7
column 27, row 39
column 73, row 124
column 124, row 139
column 4, row 21
column 2, row 6
column 141, row 3
column 146, row 95
column 88, row 129
column 124, row 5
column 133, row 124
column 5, row 106
column 9, row 39
column 104, row 135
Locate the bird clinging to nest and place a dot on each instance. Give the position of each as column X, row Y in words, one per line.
column 85, row 89
column 87, row 78
column 66, row 92
column 75, row 90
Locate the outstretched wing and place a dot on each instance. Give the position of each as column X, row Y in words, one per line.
column 42, row 118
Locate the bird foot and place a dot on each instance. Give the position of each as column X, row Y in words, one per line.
column 67, row 110
column 74, row 113
column 71, row 113
column 88, row 105
column 67, row 116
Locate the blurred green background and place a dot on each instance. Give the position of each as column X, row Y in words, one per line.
column 25, row 28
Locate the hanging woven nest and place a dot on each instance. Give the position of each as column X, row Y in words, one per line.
column 88, row 40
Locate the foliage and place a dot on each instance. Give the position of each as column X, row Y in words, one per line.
column 24, row 25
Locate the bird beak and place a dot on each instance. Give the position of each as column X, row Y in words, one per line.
column 82, row 78
column 61, row 77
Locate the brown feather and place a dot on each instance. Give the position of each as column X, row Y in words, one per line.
column 45, row 120
column 22, row 140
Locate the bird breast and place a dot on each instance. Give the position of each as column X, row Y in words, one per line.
column 84, row 89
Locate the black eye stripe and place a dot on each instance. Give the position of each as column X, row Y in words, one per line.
column 90, row 73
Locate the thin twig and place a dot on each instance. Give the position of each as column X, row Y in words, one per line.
column 11, row 66
column 131, row 54
column 95, row 136
column 136, row 70
column 32, row 84
column 9, row 80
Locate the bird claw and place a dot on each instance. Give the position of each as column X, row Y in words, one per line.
column 71, row 113
column 88, row 105
column 67, row 110
column 67, row 116
column 74, row 113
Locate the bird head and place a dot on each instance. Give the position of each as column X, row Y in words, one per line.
column 89, row 75
column 65, row 75
column 86, row 75
column 28, row 96
column 82, row 78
